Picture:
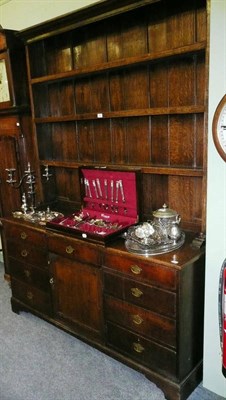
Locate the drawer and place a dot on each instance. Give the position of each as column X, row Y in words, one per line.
column 155, row 274
column 29, row 274
column 145, row 352
column 25, row 235
column 74, row 249
column 31, row 296
column 150, row 297
column 141, row 321
column 30, row 254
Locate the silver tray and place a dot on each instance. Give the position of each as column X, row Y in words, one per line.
column 158, row 248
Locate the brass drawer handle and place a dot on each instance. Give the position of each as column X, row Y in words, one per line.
column 23, row 235
column 138, row 347
column 30, row 295
column 69, row 250
column 137, row 319
column 135, row 269
column 136, row 292
column 24, row 253
column 27, row 273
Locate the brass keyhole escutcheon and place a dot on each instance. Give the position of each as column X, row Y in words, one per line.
column 69, row 250
column 24, row 253
column 27, row 273
column 136, row 292
column 138, row 347
column 30, row 295
column 23, row 235
column 135, row 269
column 137, row 319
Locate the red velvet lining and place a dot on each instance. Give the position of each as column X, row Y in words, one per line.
column 109, row 204
column 129, row 207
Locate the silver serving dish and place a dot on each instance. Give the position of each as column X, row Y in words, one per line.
column 161, row 235
column 38, row 217
column 134, row 246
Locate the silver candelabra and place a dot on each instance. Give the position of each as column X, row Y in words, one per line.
column 29, row 178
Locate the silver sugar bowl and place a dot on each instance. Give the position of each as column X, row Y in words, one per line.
column 168, row 221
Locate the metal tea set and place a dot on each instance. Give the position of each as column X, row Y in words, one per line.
column 160, row 235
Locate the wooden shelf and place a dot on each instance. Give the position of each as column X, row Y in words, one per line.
column 128, row 92
column 159, row 170
column 125, row 87
column 123, row 114
column 122, row 63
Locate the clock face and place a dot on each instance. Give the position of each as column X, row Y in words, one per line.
column 4, row 86
column 219, row 128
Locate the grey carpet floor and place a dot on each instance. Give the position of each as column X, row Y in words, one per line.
column 40, row 362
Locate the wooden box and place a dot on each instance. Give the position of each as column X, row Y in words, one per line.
column 109, row 205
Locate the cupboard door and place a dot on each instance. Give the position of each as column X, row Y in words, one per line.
column 77, row 295
column 9, row 197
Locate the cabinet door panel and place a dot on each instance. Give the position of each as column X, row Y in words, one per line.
column 9, row 197
column 77, row 294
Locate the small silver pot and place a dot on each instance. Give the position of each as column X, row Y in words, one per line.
column 168, row 220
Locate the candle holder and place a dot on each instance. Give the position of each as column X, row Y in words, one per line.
column 46, row 174
column 29, row 178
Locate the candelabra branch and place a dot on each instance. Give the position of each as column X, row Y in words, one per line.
column 30, row 181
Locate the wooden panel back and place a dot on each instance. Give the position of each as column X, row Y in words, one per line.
column 144, row 114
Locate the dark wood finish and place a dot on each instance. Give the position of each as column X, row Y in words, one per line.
column 30, row 296
column 16, row 146
column 29, row 274
column 23, row 235
column 136, row 299
column 77, row 296
column 9, row 197
column 32, row 255
column 145, row 352
column 141, row 321
column 122, row 86
column 76, row 284
column 141, row 268
column 12, row 50
column 125, row 88
column 27, row 260
column 146, row 312
column 72, row 249
column 16, row 140
column 140, row 294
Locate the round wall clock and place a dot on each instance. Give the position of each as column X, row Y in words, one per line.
column 219, row 128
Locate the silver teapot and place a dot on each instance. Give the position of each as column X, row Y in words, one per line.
column 168, row 221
